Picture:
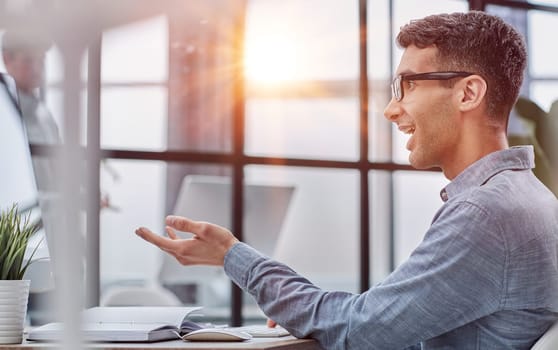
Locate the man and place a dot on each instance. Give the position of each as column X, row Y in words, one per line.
column 24, row 52
column 486, row 274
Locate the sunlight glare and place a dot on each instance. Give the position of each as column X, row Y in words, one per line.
column 270, row 60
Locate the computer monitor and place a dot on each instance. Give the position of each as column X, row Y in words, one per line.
column 209, row 198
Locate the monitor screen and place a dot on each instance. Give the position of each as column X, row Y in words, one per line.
column 209, row 198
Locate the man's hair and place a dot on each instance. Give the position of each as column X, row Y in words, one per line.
column 475, row 42
column 25, row 39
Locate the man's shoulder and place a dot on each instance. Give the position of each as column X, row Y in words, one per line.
column 510, row 200
column 509, row 189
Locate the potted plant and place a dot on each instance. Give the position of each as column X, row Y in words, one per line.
column 15, row 231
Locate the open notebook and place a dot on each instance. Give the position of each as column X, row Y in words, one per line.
column 125, row 324
column 148, row 324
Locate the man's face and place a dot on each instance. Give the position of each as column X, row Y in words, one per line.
column 426, row 112
column 26, row 67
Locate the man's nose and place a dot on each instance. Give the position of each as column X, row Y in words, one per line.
column 392, row 110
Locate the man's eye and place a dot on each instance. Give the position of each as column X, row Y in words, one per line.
column 409, row 84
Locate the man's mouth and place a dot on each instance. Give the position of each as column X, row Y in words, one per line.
column 407, row 129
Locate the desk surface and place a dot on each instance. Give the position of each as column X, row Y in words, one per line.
column 283, row 343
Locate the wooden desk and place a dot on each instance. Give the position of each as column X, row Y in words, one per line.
column 283, row 343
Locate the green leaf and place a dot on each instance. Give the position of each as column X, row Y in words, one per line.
column 15, row 232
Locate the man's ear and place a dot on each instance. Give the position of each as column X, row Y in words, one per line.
column 473, row 91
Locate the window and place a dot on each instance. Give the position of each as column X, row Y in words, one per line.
column 175, row 104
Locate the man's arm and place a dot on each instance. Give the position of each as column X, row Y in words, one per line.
column 437, row 290
column 453, row 278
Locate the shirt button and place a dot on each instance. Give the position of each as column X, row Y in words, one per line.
column 444, row 195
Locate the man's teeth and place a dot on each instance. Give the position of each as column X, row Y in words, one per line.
column 409, row 130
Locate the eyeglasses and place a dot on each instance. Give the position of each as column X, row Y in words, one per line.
column 397, row 83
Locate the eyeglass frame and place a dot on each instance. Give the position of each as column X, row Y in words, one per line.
column 398, row 92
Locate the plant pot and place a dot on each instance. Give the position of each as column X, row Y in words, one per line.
column 13, row 308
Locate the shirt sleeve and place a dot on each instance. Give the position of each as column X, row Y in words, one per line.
column 460, row 262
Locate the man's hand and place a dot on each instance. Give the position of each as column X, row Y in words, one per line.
column 208, row 246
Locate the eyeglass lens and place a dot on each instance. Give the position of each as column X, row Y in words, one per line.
column 396, row 88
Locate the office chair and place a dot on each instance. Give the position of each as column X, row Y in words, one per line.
column 549, row 340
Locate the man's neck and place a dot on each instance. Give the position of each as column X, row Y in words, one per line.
column 476, row 145
column 28, row 93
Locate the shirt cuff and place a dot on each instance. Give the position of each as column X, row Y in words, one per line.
column 239, row 261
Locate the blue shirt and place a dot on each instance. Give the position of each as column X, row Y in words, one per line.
column 485, row 275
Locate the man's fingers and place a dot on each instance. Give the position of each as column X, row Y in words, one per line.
column 170, row 232
column 182, row 224
column 161, row 242
column 271, row 323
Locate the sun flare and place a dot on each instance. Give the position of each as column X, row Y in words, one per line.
column 270, row 60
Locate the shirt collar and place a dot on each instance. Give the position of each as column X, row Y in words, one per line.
column 478, row 173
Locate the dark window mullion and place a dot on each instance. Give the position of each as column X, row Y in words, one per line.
column 363, row 138
column 239, row 99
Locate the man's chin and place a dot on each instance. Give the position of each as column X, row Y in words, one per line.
column 418, row 163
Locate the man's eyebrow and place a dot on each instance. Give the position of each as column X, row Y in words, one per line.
column 406, row 72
